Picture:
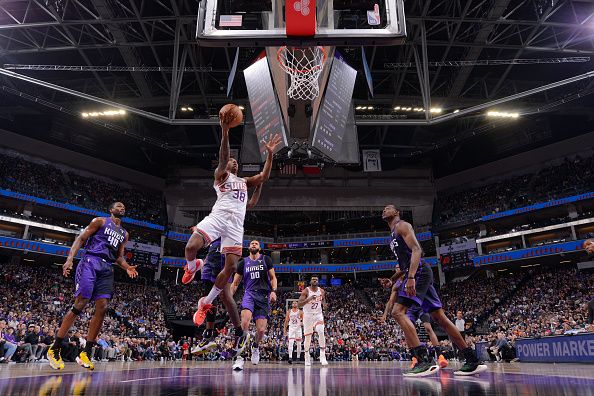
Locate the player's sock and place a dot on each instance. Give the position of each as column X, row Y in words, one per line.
column 469, row 355
column 298, row 350
column 192, row 265
column 214, row 292
column 58, row 344
column 291, row 343
column 89, row 348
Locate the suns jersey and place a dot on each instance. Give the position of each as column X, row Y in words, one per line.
column 294, row 319
column 232, row 196
column 313, row 307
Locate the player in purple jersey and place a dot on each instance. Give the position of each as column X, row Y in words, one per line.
column 415, row 313
column 260, row 284
column 418, row 291
column 103, row 240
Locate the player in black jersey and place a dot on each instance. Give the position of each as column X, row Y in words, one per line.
column 418, row 290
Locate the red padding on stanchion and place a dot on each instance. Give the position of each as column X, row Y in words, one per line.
column 300, row 17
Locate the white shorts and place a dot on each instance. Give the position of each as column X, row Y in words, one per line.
column 225, row 225
column 311, row 321
column 295, row 333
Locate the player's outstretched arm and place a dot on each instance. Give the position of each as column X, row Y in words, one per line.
column 122, row 263
column 224, row 150
column 255, row 197
column 80, row 240
column 263, row 176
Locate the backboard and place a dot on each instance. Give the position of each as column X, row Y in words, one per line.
column 262, row 23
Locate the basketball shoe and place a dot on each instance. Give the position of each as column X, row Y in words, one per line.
column 200, row 314
column 55, row 360
column 83, row 360
column 188, row 274
column 442, row 361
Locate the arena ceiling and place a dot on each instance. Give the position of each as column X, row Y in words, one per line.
column 459, row 54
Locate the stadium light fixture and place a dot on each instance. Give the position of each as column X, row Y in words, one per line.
column 105, row 113
column 435, row 110
column 502, row 114
column 241, row 108
column 456, row 111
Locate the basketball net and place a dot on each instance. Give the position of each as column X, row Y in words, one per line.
column 304, row 66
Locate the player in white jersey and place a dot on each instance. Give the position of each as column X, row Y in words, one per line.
column 225, row 221
column 311, row 300
column 293, row 322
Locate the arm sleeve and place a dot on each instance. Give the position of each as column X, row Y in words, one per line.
column 240, row 268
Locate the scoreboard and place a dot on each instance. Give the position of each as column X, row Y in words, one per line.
column 142, row 254
column 457, row 255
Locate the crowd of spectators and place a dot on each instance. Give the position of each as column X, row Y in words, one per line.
column 47, row 181
column 34, row 298
column 571, row 177
column 548, row 303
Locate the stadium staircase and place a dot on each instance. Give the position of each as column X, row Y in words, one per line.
column 168, row 310
column 364, row 297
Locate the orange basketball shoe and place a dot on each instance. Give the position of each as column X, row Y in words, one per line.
column 200, row 314
column 189, row 275
column 442, row 361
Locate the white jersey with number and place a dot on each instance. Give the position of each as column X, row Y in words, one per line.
column 314, row 307
column 232, row 196
column 295, row 325
column 294, row 319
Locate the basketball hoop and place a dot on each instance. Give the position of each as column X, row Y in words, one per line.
column 304, row 65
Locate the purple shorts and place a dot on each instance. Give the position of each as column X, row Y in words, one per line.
column 213, row 265
column 426, row 298
column 415, row 313
column 258, row 302
column 94, row 278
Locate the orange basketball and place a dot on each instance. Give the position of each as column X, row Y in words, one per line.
column 231, row 114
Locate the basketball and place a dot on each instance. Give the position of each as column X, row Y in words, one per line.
column 231, row 114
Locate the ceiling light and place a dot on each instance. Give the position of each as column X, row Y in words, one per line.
column 241, row 107
column 190, row 109
column 369, row 107
column 436, row 110
column 397, row 108
column 456, row 111
column 502, row 114
column 184, row 109
column 358, row 108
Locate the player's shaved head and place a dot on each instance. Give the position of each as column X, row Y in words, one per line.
column 389, row 212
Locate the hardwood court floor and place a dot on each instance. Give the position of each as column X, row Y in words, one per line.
column 363, row 378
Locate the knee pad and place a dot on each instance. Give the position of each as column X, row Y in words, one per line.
column 75, row 311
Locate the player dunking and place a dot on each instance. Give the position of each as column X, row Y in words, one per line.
column 293, row 320
column 104, row 240
column 311, row 300
column 415, row 313
column 225, row 221
column 418, row 291
column 260, row 282
column 213, row 264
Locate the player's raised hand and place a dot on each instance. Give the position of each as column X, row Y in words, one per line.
column 131, row 271
column 67, row 267
column 272, row 143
